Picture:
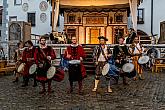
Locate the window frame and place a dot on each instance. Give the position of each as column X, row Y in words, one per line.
column 74, row 18
column 15, row 2
column 1, row 11
column 32, row 25
column 138, row 16
column 11, row 17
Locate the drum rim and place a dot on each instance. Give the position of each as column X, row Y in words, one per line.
column 74, row 62
column 47, row 75
column 127, row 64
column 143, row 57
column 104, row 69
column 35, row 69
column 23, row 65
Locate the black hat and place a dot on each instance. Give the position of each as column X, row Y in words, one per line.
column 102, row 37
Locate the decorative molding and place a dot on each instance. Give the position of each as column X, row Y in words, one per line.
column 43, row 17
column 43, row 6
column 25, row 7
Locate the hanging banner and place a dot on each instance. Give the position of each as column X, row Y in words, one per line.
column 133, row 7
column 57, row 6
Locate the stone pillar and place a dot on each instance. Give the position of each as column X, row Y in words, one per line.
column 4, row 38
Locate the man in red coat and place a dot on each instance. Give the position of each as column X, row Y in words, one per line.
column 43, row 56
column 28, row 59
column 77, row 71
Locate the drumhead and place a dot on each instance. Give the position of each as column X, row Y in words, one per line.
column 33, row 69
column 105, row 69
column 74, row 62
column 128, row 67
column 51, row 72
column 21, row 67
column 143, row 60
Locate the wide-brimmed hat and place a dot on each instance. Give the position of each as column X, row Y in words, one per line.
column 102, row 37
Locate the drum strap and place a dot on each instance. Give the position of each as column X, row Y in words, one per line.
column 120, row 49
column 103, row 54
column 138, row 48
column 40, row 50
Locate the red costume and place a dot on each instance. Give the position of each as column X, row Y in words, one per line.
column 76, row 71
column 40, row 58
column 28, row 54
column 76, row 53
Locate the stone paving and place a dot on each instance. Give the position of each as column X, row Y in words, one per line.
column 148, row 94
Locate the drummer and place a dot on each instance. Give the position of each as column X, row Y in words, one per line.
column 75, row 52
column 43, row 56
column 18, row 58
column 120, row 54
column 28, row 59
column 137, row 50
column 101, row 54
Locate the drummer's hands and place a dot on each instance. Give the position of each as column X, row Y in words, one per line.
column 40, row 65
column 117, row 61
column 68, row 56
column 96, row 63
column 81, row 59
column 109, row 55
column 30, row 59
column 49, row 57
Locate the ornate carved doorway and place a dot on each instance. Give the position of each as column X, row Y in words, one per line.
column 94, row 34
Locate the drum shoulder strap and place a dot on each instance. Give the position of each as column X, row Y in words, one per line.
column 120, row 49
column 137, row 47
column 103, row 53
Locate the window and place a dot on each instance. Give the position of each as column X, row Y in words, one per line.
column 1, row 17
column 13, row 18
column 58, row 22
column 71, row 18
column 31, row 19
column 17, row 2
column 140, row 16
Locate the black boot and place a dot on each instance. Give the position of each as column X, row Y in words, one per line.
column 16, row 80
column 71, row 87
column 80, row 88
column 35, row 82
column 26, row 80
column 124, row 81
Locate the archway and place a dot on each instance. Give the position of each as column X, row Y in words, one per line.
column 144, row 38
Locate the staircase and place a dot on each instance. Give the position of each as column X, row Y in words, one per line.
column 88, row 61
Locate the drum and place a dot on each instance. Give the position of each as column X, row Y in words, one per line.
column 143, row 60
column 21, row 67
column 51, row 72
column 74, row 62
column 75, row 70
column 32, row 69
column 131, row 74
column 128, row 67
column 105, row 69
column 59, row 76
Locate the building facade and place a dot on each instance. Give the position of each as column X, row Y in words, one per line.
column 148, row 24
column 37, row 12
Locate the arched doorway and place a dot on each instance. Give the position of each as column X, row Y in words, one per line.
column 144, row 38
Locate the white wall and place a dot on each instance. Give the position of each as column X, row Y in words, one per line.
column 40, row 28
column 158, row 14
column 1, row 2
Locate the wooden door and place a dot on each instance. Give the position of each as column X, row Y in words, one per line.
column 94, row 34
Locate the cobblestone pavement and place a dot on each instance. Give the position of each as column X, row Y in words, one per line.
column 148, row 94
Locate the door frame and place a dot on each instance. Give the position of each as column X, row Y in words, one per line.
column 94, row 28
